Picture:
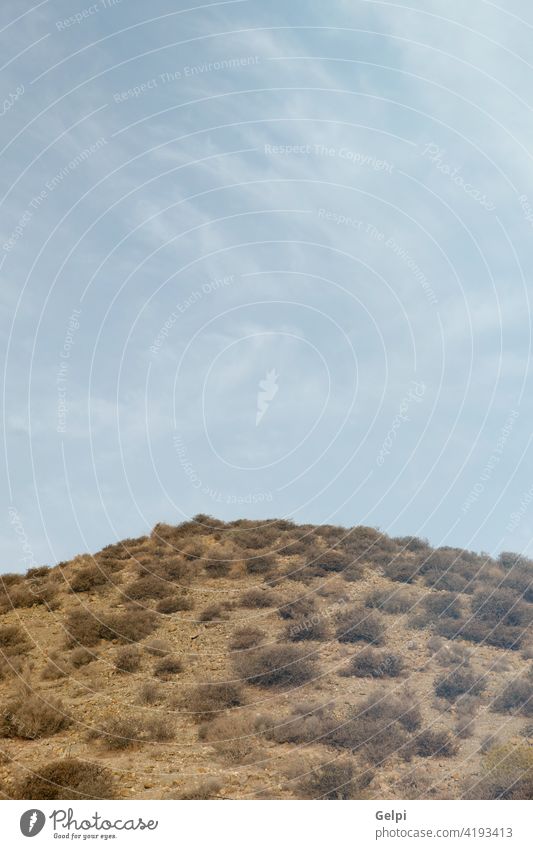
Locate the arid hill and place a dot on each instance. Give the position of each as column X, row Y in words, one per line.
column 268, row 660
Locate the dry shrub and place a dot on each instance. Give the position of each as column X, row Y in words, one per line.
column 212, row 613
column 9, row 579
column 158, row 648
column 129, row 627
column 13, row 641
column 373, row 663
column 167, row 667
column 416, row 544
column 56, row 667
column 207, row 700
column 312, row 628
column 67, row 779
column 271, row 666
column 258, row 598
column 30, row 594
column 232, row 737
column 500, row 636
column 217, row 568
column 174, row 604
column 123, row 732
column 298, row 608
column 433, row 743
column 246, row 637
column 87, row 628
column 31, row 716
column 402, row 570
column 147, row 588
column 150, row 693
column 336, row 780
column 308, row 723
column 507, row 773
column 516, row 697
column 261, row 565
column 207, row 789
column 443, row 604
column 453, row 655
column 87, row 579
column 356, row 624
column 501, row 607
column 378, row 725
column 128, row 659
column 170, row 569
column 466, row 708
column 328, row 561
column 81, row 656
column 391, row 600
column 458, row 682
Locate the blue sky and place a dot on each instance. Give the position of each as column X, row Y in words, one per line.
column 265, row 259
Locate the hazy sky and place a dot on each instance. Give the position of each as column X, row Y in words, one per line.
column 266, row 259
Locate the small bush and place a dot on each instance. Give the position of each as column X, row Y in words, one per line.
column 400, row 570
column 311, row 628
column 30, row 594
column 167, row 668
column 457, row 682
column 123, row 732
column 258, row 598
column 308, row 723
column 378, row 726
column 299, row 608
column 150, row 693
column 501, row 607
column 433, row 743
column 207, row 700
column 81, row 656
column 261, row 565
column 87, row 579
column 443, row 604
column 329, row 561
column 517, row 697
column 86, row 628
column 147, row 588
column 356, row 625
column 31, row 716
column 390, row 600
column 272, row 666
column 207, row 789
column 246, row 637
column 212, row 613
column 67, row 779
column 158, row 648
column 217, row 568
column 335, row 780
column 13, row 641
column 55, row 668
column 233, row 737
column 372, row 663
column 173, row 604
column 507, row 773
column 477, row 631
column 128, row 659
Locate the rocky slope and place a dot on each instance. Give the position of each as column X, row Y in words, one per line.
column 268, row 660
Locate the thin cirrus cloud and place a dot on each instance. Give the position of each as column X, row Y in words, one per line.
column 338, row 198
